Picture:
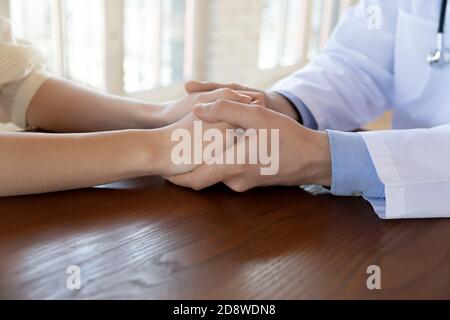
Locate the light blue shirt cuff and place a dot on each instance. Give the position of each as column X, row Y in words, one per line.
column 308, row 119
column 353, row 171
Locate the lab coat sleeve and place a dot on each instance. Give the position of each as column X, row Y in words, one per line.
column 414, row 166
column 350, row 82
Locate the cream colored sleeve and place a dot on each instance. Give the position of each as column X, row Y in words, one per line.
column 21, row 75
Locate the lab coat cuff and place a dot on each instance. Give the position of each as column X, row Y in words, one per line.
column 395, row 187
column 378, row 205
column 24, row 94
column 308, row 119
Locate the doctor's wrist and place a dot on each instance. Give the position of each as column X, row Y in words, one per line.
column 320, row 160
column 282, row 105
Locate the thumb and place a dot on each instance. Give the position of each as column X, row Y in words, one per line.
column 245, row 116
column 203, row 177
column 196, row 86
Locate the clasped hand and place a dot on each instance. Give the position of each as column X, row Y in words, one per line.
column 303, row 154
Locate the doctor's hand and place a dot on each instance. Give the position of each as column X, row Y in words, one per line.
column 270, row 100
column 304, row 155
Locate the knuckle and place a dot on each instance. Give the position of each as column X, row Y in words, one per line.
column 237, row 186
column 240, row 189
column 221, row 103
column 196, row 186
column 260, row 97
column 228, row 93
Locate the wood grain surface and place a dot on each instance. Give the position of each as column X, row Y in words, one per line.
column 147, row 239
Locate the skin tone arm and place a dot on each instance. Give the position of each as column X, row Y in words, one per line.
column 66, row 107
column 272, row 100
column 305, row 156
column 40, row 163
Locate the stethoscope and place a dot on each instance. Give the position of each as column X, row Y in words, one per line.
column 440, row 57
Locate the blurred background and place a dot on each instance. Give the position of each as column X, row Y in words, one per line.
column 147, row 48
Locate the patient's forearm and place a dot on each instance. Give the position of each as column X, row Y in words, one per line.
column 63, row 106
column 39, row 163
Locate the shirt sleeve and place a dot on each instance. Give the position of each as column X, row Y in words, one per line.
column 353, row 171
column 21, row 75
column 308, row 119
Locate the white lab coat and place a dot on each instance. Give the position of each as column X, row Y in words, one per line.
column 363, row 72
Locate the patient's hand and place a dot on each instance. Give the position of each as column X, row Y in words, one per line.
column 177, row 110
column 271, row 100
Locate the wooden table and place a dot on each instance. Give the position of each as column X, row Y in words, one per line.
column 147, row 239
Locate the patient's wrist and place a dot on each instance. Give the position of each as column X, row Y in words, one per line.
column 147, row 152
column 148, row 116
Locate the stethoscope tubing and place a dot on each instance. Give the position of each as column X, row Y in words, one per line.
column 436, row 58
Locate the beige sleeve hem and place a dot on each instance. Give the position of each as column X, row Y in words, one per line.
column 24, row 94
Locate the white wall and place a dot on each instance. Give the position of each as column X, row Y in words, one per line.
column 232, row 42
